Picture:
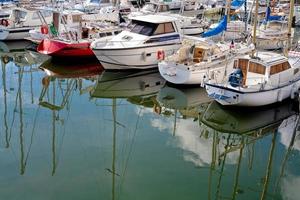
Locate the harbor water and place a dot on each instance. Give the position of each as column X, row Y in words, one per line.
column 74, row 131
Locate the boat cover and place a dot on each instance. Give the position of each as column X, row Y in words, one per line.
column 222, row 26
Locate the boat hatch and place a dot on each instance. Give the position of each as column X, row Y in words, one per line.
column 199, row 54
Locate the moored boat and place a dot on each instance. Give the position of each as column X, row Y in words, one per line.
column 151, row 38
column 21, row 21
column 257, row 81
column 73, row 33
column 199, row 60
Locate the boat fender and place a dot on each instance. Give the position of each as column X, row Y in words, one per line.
column 4, row 22
column 44, row 29
column 160, row 55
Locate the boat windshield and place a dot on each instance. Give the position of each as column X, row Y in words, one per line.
column 143, row 28
column 149, row 7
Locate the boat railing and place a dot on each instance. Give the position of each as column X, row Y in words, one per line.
column 108, row 42
column 255, row 83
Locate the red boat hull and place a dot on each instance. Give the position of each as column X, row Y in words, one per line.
column 58, row 48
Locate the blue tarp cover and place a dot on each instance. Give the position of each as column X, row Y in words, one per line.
column 271, row 18
column 237, row 3
column 222, row 26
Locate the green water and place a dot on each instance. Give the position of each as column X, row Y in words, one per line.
column 69, row 133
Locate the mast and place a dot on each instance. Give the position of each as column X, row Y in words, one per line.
column 53, row 135
column 22, row 160
column 269, row 167
column 291, row 16
column 237, row 174
column 5, row 105
column 254, row 27
column 113, row 167
column 245, row 17
column 228, row 7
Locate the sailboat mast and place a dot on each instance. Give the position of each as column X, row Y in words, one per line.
column 245, row 16
column 254, row 26
column 113, row 167
column 228, row 6
column 291, row 15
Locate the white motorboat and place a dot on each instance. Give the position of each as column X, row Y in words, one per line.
column 21, row 21
column 189, row 23
column 151, row 38
column 264, row 79
column 199, row 60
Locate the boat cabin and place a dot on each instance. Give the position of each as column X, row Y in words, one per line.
column 268, row 69
column 201, row 51
column 155, row 8
column 22, row 17
column 153, row 25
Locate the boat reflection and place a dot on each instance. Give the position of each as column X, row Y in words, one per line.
column 235, row 133
column 16, row 52
column 126, row 84
column 188, row 101
column 13, row 99
column 59, row 84
column 138, row 88
column 78, row 69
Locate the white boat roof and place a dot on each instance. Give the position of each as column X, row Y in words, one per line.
column 155, row 19
column 268, row 59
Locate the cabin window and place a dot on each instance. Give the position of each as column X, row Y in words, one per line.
column 163, row 8
column 20, row 15
column 76, row 18
column 164, row 28
column 46, row 13
column 150, row 7
column 35, row 16
column 257, row 68
column 198, row 54
column 160, row 29
column 143, row 28
column 279, row 68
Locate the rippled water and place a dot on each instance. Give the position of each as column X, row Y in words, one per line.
column 72, row 131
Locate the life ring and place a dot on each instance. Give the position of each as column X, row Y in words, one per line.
column 4, row 22
column 160, row 55
column 44, row 29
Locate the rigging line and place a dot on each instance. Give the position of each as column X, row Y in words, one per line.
column 32, row 134
column 130, row 149
column 64, row 132
column 222, row 169
column 14, row 116
column 15, row 108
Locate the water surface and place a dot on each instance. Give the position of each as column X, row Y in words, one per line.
column 72, row 131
